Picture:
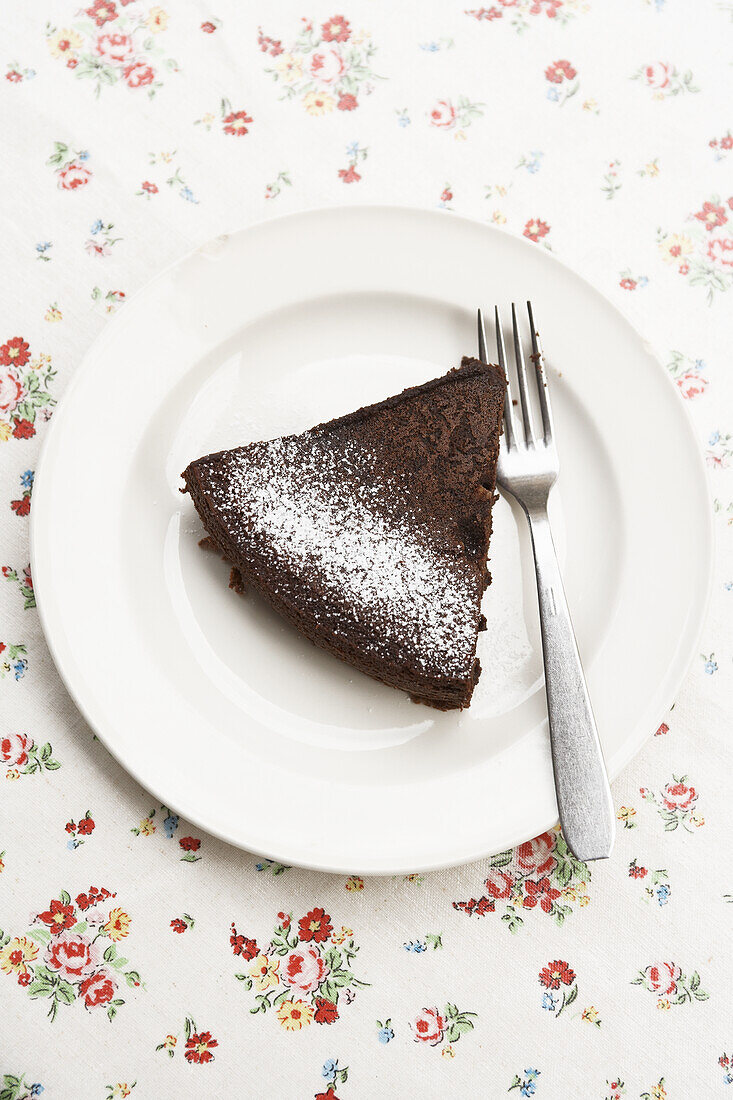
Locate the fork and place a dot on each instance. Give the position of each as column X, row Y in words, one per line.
column 527, row 469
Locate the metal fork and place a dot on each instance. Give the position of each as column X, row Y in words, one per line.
column 528, row 468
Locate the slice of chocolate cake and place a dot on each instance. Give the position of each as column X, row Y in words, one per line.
column 370, row 533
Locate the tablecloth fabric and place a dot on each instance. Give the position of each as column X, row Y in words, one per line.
column 142, row 957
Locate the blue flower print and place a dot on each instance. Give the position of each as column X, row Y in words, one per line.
column 19, row 668
column 37, row 1089
column 187, row 194
column 170, row 825
column 549, row 1003
column 418, row 946
column 84, row 155
column 385, row 1033
column 663, row 894
column 431, row 47
column 553, row 94
column 329, row 1069
column 97, row 227
column 26, row 479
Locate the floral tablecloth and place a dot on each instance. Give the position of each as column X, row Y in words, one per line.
column 141, row 957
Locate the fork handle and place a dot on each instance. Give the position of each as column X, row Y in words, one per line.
column 581, row 782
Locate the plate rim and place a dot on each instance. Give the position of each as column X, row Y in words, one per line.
column 57, row 423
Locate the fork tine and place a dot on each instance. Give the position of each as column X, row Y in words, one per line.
column 539, row 361
column 510, row 430
column 482, row 352
column 529, row 436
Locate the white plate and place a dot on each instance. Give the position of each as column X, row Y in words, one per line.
column 221, row 709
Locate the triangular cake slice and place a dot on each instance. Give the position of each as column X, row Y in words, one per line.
column 370, row 533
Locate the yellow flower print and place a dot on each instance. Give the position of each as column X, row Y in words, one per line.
column 658, row 1091
column 663, row 1004
column 294, row 1015
column 40, row 362
column 146, row 826
column 6, row 430
column 317, row 103
column 590, row 1014
column 344, row 934
column 625, row 813
column 355, row 882
column 12, row 773
column 118, row 925
column 697, row 820
column 675, row 247
column 2, row 865
column 448, row 1052
column 263, row 972
column 63, row 43
column 290, row 68
column 157, row 20
column 53, row 314
column 16, row 954
column 121, row 1091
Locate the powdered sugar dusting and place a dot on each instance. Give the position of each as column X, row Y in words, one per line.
column 353, row 544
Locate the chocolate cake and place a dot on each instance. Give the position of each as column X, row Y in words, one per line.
column 370, row 533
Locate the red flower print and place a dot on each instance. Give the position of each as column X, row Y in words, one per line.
column 628, row 284
column 726, row 142
column 535, row 858
column 243, row 946
column 657, row 75
column 336, row 29
column 70, row 827
column 428, row 1027
column 15, row 353
column 535, row 229
column 711, row 215
column 208, row 28
column 151, row 188
column 102, row 11
column 480, row 907
column 329, row 1094
column 138, row 75
column 199, row 1046
column 86, row 901
column 14, row 748
column 11, row 389
column 677, row 796
column 117, row 49
column 691, row 385
column 315, row 926
column 446, row 196
column 73, row 176
column 349, row 175
column 347, row 102
column 720, row 250
column 72, row 957
column 637, row 872
column 559, row 71
column 98, row 989
column 664, row 728
column 86, row 826
column 663, row 978
column 541, row 892
column 21, row 507
column 326, row 1011
column 304, row 970
column 499, row 884
column 556, row 973
column 236, row 123
column 178, row 925
column 72, row 63
column 273, row 46
column 189, row 843
column 14, row 76
column 23, row 429
column 58, row 917
column 24, row 978
column 284, row 919
column 443, row 115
